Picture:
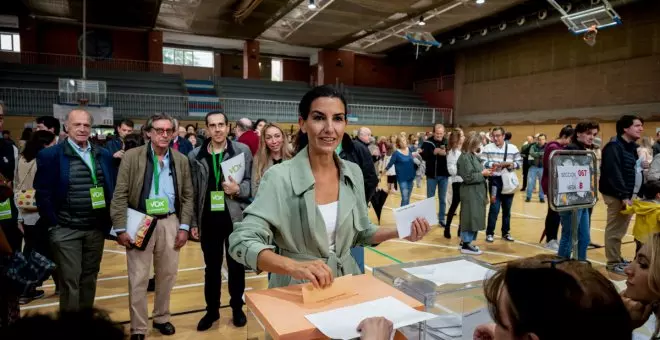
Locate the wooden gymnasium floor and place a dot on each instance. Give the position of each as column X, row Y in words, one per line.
column 187, row 303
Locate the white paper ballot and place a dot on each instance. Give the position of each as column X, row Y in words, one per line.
column 342, row 323
column 405, row 216
column 234, row 167
column 454, row 272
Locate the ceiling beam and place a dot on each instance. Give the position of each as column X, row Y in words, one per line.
column 294, row 20
column 280, row 14
column 156, row 12
column 409, row 18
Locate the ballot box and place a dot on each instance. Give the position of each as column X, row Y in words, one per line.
column 279, row 313
column 451, row 288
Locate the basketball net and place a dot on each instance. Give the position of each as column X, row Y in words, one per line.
column 83, row 101
column 590, row 36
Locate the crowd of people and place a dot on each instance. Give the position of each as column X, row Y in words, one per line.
column 300, row 212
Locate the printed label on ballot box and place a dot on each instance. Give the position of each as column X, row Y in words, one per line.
column 573, row 179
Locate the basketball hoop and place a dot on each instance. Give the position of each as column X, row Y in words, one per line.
column 590, row 35
column 83, row 101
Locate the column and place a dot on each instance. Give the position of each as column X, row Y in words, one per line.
column 155, row 51
column 251, row 60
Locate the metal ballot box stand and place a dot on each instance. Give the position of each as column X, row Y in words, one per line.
column 459, row 304
column 572, row 185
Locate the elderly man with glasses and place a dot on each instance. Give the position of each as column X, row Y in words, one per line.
column 156, row 181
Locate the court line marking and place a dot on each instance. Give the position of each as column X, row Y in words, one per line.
column 114, row 296
column 110, row 278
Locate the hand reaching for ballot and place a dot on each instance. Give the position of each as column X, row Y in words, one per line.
column 419, row 228
column 377, row 328
column 316, row 272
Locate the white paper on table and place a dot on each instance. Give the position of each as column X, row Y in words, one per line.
column 472, row 320
column 234, row 167
column 454, row 272
column 133, row 223
column 405, row 216
column 342, row 323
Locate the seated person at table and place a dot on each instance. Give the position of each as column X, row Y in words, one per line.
column 310, row 211
column 548, row 298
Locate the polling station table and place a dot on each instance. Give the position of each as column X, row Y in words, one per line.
column 279, row 313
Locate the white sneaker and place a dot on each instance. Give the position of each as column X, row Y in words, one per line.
column 552, row 245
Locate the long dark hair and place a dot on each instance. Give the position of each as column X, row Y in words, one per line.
column 36, row 143
column 325, row 91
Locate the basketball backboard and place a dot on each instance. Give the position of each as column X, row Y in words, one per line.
column 421, row 38
column 579, row 22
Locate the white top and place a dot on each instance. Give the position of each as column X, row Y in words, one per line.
column 329, row 212
column 452, row 160
column 491, row 153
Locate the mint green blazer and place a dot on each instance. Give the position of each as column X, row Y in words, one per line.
column 284, row 217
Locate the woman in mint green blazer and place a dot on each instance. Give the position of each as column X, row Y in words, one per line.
column 310, row 210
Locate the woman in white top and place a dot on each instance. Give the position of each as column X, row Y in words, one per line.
column 456, row 139
column 36, row 239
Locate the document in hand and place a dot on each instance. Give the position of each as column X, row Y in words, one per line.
column 234, row 167
column 342, row 323
column 139, row 228
column 404, row 216
column 341, row 287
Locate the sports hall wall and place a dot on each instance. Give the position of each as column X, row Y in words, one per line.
column 550, row 76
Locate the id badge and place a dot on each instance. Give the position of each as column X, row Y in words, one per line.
column 157, row 206
column 217, row 201
column 98, row 198
column 5, row 210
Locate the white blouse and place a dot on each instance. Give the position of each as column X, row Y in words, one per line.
column 452, row 160
column 329, row 212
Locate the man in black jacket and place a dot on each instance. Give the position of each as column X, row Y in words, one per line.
column 355, row 151
column 434, row 153
column 617, row 182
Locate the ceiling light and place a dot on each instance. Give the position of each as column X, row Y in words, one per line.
column 421, row 21
column 480, row 2
column 312, row 4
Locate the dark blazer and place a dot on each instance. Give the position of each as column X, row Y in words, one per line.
column 184, row 145
column 51, row 182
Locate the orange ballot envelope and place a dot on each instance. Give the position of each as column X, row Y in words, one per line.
column 340, row 288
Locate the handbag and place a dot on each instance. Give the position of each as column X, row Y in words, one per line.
column 25, row 273
column 25, row 198
column 510, row 180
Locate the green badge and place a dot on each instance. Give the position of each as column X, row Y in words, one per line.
column 157, row 206
column 5, row 210
column 98, row 198
column 217, row 201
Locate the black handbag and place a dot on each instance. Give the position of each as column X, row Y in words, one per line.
column 25, row 273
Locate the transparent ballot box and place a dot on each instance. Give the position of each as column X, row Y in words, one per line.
column 451, row 288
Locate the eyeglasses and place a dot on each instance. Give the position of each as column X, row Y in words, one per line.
column 159, row 131
column 554, row 263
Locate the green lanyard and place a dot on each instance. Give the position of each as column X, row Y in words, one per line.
column 156, row 174
column 339, row 149
column 216, row 169
column 92, row 166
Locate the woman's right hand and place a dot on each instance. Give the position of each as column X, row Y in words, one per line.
column 486, row 172
column 317, row 272
column 639, row 312
column 484, row 332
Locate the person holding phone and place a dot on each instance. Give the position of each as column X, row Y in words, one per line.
column 498, row 156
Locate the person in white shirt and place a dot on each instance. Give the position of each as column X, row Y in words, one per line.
column 456, row 139
column 499, row 156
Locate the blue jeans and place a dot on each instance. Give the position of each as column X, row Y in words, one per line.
column 505, row 202
column 358, row 255
column 406, row 190
column 565, row 243
column 468, row 236
column 441, row 182
column 532, row 175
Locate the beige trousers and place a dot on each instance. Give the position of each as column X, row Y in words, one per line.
column 160, row 250
column 616, row 228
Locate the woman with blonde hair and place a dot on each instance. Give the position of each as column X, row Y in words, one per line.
column 274, row 149
column 473, row 193
column 642, row 293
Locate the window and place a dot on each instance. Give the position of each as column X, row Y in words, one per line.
column 276, row 72
column 10, row 42
column 177, row 56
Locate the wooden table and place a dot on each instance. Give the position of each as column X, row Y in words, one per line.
column 282, row 312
